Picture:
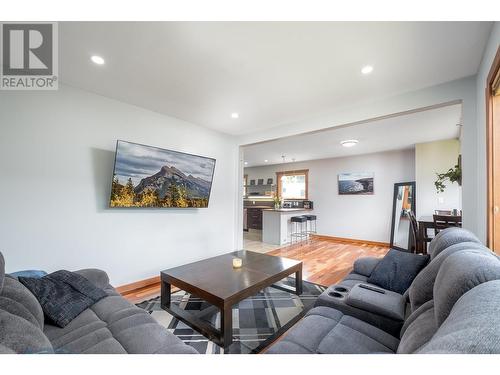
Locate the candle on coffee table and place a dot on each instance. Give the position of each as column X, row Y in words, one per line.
column 237, row 262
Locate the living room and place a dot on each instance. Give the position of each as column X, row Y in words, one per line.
column 123, row 228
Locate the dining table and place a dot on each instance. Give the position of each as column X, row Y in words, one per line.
column 425, row 223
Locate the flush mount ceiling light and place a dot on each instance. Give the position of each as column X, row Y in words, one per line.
column 265, row 161
column 235, row 115
column 97, row 60
column 349, row 142
column 246, row 163
column 367, row 69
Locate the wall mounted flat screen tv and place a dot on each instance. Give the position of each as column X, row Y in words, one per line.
column 147, row 176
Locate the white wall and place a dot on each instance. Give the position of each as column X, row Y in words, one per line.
column 432, row 158
column 481, row 198
column 56, row 163
column 363, row 217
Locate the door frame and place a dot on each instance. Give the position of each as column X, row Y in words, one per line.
column 494, row 70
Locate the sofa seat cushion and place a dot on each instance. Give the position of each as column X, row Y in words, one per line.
column 328, row 331
column 114, row 325
column 340, row 299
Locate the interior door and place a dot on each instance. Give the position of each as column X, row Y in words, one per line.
column 496, row 174
column 493, row 153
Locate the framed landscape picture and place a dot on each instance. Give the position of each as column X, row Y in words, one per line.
column 356, row 183
column 147, row 176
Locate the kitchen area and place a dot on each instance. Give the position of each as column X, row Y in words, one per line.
column 270, row 199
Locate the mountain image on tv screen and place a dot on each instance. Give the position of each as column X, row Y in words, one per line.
column 146, row 176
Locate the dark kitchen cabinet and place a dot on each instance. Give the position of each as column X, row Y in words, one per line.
column 254, row 218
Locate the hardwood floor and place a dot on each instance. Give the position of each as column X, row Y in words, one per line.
column 325, row 262
column 144, row 294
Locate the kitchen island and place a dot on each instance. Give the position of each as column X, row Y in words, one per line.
column 276, row 224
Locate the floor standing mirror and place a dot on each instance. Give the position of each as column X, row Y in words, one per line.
column 403, row 201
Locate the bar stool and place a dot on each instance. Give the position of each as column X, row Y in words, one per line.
column 310, row 225
column 298, row 228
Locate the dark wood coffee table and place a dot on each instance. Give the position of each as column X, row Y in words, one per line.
column 217, row 282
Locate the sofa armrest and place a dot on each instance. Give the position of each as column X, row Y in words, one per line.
column 97, row 277
column 377, row 300
column 365, row 266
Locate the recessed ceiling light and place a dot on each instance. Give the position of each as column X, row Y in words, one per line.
column 235, row 115
column 367, row 69
column 97, row 60
column 265, row 161
column 246, row 163
column 349, row 142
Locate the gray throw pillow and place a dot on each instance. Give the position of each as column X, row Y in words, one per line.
column 396, row 271
column 63, row 295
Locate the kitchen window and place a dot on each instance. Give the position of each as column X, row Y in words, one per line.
column 292, row 184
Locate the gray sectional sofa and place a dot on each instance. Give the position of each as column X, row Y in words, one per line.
column 451, row 307
column 112, row 325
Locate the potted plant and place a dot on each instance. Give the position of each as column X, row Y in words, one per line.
column 453, row 175
column 277, row 202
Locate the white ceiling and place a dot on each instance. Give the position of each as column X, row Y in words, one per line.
column 400, row 132
column 270, row 73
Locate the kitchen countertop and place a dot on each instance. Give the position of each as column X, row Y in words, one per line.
column 287, row 209
column 262, row 207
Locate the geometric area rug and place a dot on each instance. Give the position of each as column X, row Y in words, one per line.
column 257, row 321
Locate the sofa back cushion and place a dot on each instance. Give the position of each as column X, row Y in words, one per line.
column 422, row 288
column 459, row 273
column 21, row 318
column 448, row 237
column 18, row 335
column 418, row 329
column 2, row 270
column 16, row 299
column 473, row 325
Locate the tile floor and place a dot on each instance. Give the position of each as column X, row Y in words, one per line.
column 252, row 241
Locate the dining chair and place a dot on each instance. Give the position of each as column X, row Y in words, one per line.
column 445, row 221
column 421, row 241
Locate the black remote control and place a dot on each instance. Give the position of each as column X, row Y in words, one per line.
column 364, row 286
